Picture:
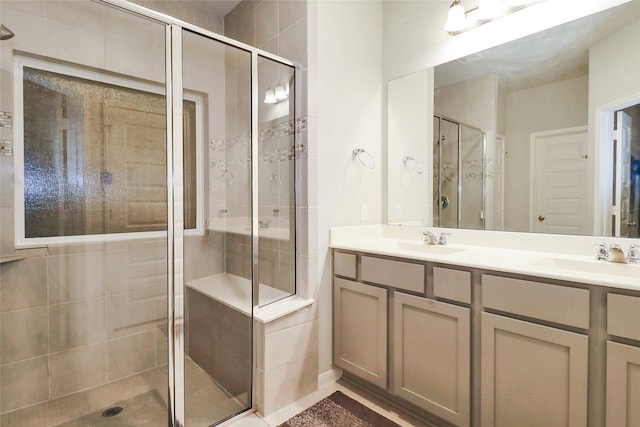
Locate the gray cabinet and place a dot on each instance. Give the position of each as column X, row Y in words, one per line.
column 623, row 385
column 532, row 375
column 360, row 330
column 623, row 361
column 431, row 348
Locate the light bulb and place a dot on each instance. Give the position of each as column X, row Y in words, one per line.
column 457, row 18
column 270, row 97
column 280, row 93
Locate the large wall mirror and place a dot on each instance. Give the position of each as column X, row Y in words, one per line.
column 541, row 134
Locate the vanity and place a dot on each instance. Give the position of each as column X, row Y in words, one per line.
column 501, row 330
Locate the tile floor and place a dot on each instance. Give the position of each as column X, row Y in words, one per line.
column 347, row 388
column 204, row 401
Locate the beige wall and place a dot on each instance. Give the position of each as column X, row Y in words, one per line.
column 347, row 78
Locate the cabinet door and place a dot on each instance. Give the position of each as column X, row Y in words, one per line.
column 432, row 356
column 532, row 375
column 623, row 385
column 360, row 330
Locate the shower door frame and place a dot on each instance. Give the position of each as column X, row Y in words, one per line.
column 440, row 118
column 175, row 217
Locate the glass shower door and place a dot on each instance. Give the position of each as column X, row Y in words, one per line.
column 83, row 304
column 218, row 254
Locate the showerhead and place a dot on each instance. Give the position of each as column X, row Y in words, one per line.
column 5, row 33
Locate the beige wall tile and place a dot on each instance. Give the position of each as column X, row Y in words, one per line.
column 77, row 324
column 76, row 277
column 130, row 355
column 7, row 238
column 266, row 21
column 24, row 383
column 246, row 29
column 290, row 345
column 161, row 346
column 87, row 15
column 6, row 168
column 291, row 365
column 290, row 12
column 23, row 284
column 135, row 312
column 78, row 369
column 24, row 334
column 204, row 256
column 293, row 42
column 136, row 269
column 300, row 317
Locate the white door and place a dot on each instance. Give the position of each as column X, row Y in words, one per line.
column 622, row 190
column 559, row 182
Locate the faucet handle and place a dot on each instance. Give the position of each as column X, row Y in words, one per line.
column 442, row 240
column 603, row 252
column 633, row 255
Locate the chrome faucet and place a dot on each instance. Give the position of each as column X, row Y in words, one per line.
column 603, row 252
column 431, row 239
column 633, row 256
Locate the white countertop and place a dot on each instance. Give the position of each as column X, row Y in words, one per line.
column 573, row 261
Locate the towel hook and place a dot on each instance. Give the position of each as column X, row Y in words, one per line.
column 416, row 166
column 364, row 157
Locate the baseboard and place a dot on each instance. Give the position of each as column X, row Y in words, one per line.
column 329, row 377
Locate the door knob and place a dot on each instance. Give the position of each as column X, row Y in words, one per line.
column 541, row 218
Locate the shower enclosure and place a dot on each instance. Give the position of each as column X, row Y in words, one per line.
column 459, row 189
column 147, row 208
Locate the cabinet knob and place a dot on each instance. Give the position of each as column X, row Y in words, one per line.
column 541, row 218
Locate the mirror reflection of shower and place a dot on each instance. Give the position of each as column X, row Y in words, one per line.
column 5, row 33
column 458, row 174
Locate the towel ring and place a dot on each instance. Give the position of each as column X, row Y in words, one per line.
column 365, row 158
column 415, row 166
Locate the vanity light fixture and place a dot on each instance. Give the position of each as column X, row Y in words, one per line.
column 460, row 20
column 280, row 93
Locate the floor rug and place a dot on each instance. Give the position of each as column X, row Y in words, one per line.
column 338, row 410
column 146, row 409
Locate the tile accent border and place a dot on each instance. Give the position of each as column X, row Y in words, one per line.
column 6, row 148
column 5, row 119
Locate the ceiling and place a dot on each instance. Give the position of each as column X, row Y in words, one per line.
column 553, row 55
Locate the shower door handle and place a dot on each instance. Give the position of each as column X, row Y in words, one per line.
column 541, row 218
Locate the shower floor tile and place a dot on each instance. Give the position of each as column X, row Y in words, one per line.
column 143, row 398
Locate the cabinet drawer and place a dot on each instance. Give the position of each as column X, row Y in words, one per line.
column 451, row 284
column 554, row 303
column 398, row 274
column 623, row 316
column 344, row 264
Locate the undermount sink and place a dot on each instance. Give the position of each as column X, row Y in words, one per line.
column 591, row 266
column 424, row 248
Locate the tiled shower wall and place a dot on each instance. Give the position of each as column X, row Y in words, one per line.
column 287, row 348
column 279, row 27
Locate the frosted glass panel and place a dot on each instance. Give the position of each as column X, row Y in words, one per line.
column 95, row 156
